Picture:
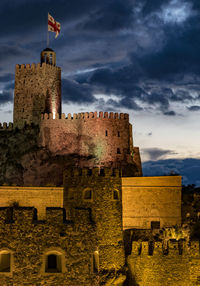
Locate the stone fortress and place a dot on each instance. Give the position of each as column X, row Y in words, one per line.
column 74, row 206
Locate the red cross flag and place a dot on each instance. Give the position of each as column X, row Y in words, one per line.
column 53, row 26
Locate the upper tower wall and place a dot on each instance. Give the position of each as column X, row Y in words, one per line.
column 37, row 90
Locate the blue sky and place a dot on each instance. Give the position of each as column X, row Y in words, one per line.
column 140, row 57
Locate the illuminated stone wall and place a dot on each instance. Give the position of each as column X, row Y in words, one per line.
column 106, row 210
column 29, row 240
column 37, row 90
column 38, row 197
column 147, row 199
column 103, row 137
column 176, row 264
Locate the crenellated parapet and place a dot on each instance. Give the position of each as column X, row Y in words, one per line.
column 87, row 115
column 35, row 67
column 172, row 248
column 25, row 216
column 93, row 172
column 6, row 126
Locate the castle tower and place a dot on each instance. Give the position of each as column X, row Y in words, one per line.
column 37, row 90
column 99, row 191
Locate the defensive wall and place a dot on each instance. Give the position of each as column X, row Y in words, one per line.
column 174, row 264
column 144, row 199
column 148, row 200
column 105, row 137
column 37, row 197
column 28, row 242
column 37, row 90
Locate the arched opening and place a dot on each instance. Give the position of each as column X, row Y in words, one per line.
column 95, row 262
column 5, row 261
column 51, row 59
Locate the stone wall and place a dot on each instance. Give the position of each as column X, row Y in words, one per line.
column 106, row 210
column 103, row 137
column 29, row 241
column 176, row 265
column 37, row 90
column 38, row 197
column 147, row 199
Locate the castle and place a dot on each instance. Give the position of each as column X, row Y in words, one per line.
column 70, row 206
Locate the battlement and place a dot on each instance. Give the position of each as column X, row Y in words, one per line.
column 6, row 126
column 94, row 172
column 172, row 248
column 35, row 67
column 87, row 115
column 54, row 216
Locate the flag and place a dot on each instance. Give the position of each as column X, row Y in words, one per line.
column 53, row 26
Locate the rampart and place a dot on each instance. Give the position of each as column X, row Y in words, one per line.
column 103, row 137
column 29, row 241
column 38, row 197
column 149, row 201
column 174, row 264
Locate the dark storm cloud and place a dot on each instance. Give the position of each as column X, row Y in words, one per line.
column 77, row 93
column 188, row 168
column 151, row 6
column 6, row 96
column 114, row 15
column 157, row 153
column 169, row 113
column 10, row 50
column 131, row 38
column 22, row 17
column 6, row 78
column 194, row 108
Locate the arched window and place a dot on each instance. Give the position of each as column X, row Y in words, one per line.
column 5, row 261
column 95, row 262
column 51, row 59
column 118, row 134
column 106, row 133
column 53, row 263
column 87, row 195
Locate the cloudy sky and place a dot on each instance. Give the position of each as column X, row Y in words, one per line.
column 141, row 57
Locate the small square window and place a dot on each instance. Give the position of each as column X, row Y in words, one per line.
column 155, row 225
column 87, row 195
column 118, row 151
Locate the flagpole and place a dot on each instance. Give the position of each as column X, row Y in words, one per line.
column 48, row 31
column 47, row 39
